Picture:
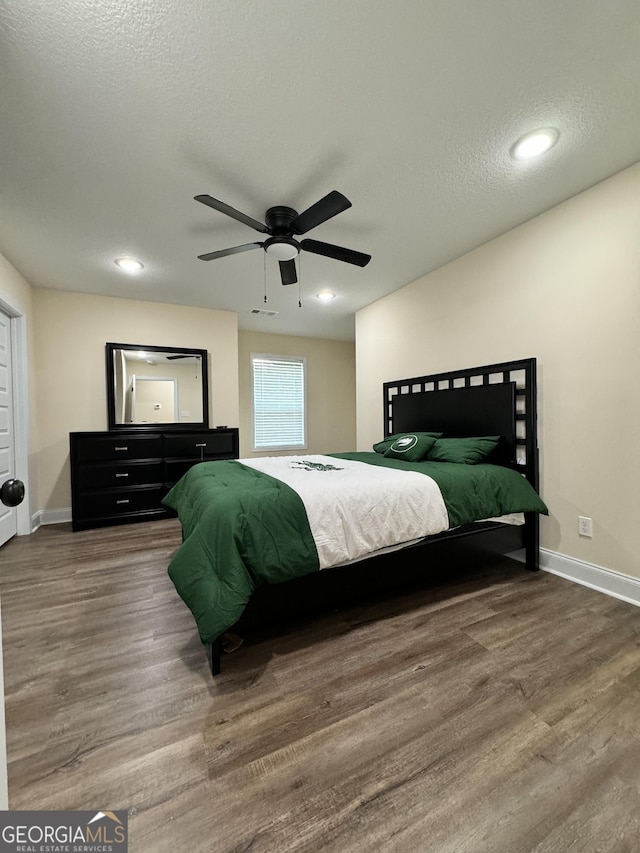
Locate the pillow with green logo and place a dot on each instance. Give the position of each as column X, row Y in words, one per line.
column 467, row 451
column 386, row 443
column 411, row 446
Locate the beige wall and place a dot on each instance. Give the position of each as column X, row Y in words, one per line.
column 331, row 417
column 565, row 288
column 68, row 332
column 14, row 289
column 71, row 330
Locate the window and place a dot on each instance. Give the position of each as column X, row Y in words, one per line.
column 279, row 416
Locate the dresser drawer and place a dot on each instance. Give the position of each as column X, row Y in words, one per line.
column 119, row 502
column 115, row 447
column 118, row 475
column 175, row 469
column 200, row 445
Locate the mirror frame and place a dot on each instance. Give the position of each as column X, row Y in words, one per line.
column 110, row 349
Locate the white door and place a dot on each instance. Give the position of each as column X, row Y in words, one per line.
column 8, row 515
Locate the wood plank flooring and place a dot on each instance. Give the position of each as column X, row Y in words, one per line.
column 495, row 713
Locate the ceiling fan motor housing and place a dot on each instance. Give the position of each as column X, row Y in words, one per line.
column 281, row 245
column 279, row 220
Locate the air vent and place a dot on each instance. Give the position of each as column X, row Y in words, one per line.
column 263, row 312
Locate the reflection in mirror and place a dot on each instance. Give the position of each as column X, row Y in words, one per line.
column 150, row 386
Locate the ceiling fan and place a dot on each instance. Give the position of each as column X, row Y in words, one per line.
column 174, row 357
column 281, row 224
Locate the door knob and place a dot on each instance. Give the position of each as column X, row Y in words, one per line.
column 12, row 492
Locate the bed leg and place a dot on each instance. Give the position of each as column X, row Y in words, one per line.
column 532, row 541
column 214, row 651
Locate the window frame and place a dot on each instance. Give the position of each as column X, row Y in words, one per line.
column 296, row 359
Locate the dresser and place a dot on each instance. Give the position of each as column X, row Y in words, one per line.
column 120, row 477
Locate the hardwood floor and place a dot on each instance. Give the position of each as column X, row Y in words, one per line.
column 495, row 713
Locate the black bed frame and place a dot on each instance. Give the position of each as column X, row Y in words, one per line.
column 495, row 399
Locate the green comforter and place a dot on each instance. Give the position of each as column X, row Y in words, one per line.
column 242, row 528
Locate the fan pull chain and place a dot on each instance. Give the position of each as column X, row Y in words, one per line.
column 264, row 264
column 299, row 279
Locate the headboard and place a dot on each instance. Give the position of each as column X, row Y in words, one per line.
column 496, row 399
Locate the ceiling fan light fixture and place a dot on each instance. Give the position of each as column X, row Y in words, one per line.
column 535, row 143
column 282, row 248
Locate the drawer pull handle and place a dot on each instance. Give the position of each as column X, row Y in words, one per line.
column 123, row 502
column 121, row 448
column 122, row 475
column 204, row 444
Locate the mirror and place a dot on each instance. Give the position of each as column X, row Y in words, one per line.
column 150, row 388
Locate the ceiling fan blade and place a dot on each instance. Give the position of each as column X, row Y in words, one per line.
column 331, row 205
column 288, row 272
column 220, row 206
column 222, row 253
column 339, row 253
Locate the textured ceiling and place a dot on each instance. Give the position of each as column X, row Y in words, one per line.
column 114, row 114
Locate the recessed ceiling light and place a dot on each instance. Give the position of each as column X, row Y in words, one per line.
column 325, row 295
column 535, row 143
column 130, row 265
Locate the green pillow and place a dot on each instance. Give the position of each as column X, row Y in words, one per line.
column 386, row 443
column 411, row 446
column 467, row 451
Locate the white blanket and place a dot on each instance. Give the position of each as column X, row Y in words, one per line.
column 355, row 509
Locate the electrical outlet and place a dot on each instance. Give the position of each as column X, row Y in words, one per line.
column 585, row 526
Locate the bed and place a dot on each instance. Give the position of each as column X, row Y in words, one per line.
column 457, row 457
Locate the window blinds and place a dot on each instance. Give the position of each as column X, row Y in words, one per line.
column 278, row 402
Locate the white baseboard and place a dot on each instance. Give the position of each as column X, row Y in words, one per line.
column 50, row 516
column 615, row 584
